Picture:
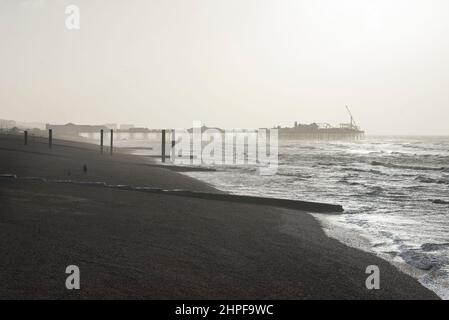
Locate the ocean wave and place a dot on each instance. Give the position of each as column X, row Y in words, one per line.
column 423, row 179
column 375, row 191
column 238, row 168
column 350, row 183
column 355, row 184
column 393, row 195
column 420, row 260
column 354, row 169
column 427, row 247
column 377, row 172
column 414, row 188
column 404, row 175
column 295, row 175
column 372, row 171
column 439, row 201
column 407, row 167
column 329, row 164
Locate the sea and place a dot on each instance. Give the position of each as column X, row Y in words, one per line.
column 395, row 192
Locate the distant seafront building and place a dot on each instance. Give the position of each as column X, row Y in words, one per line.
column 71, row 129
column 7, row 124
column 126, row 126
column 78, row 132
column 111, row 126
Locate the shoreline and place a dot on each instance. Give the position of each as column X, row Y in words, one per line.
column 131, row 245
column 361, row 242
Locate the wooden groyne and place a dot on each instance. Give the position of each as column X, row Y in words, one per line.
column 263, row 201
column 317, row 207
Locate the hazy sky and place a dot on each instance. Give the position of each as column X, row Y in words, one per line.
column 231, row 63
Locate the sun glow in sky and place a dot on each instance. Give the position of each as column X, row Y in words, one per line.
column 233, row 63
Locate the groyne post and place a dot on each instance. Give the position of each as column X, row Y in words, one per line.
column 163, row 146
column 50, row 138
column 173, row 142
column 112, row 141
column 101, row 140
column 25, row 137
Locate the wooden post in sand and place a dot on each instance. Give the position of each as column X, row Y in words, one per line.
column 163, row 146
column 101, row 141
column 112, row 141
column 50, row 138
column 173, row 143
column 25, row 137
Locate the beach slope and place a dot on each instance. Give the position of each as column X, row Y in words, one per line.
column 134, row 245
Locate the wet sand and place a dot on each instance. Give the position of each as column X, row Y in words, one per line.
column 135, row 245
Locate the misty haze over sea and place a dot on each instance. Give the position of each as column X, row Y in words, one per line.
column 320, row 73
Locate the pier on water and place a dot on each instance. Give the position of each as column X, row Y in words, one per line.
column 325, row 135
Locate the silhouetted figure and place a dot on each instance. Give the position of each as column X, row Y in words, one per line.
column 85, row 168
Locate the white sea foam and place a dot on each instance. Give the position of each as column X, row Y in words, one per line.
column 394, row 190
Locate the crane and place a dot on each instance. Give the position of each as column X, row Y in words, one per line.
column 353, row 124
